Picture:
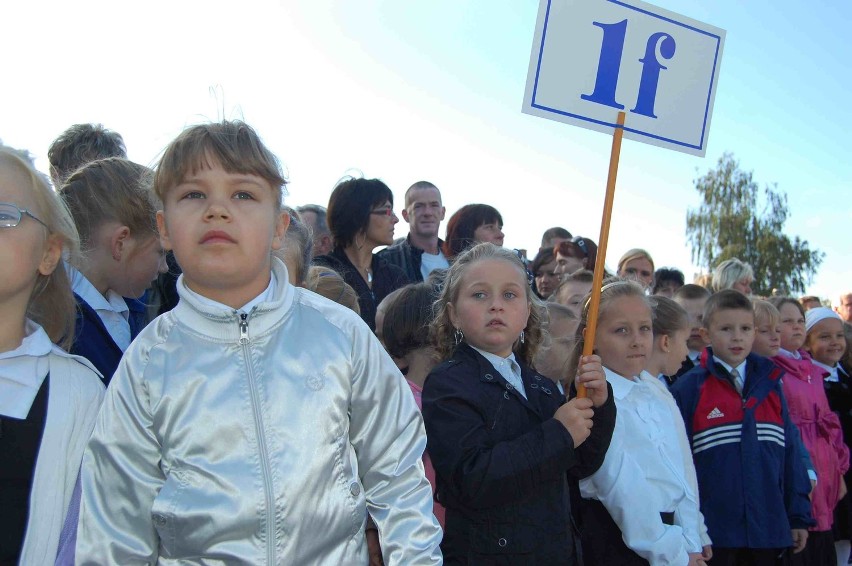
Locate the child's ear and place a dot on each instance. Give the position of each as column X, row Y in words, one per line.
column 665, row 343
column 52, row 255
column 164, row 232
column 451, row 310
column 118, row 241
column 704, row 335
column 280, row 229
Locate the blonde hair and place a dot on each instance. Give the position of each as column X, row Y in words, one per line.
column 111, row 190
column 704, row 280
column 52, row 303
column 729, row 272
column 442, row 328
column 614, row 288
column 296, row 249
column 630, row 255
column 765, row 311
column 328, row 283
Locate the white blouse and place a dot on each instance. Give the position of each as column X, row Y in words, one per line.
column 22, row 372
column 647, row 470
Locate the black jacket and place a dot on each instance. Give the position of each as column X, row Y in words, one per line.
column 502, row 462
column 407, row 257
column 386, row 279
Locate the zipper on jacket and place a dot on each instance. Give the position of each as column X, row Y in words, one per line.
column 244, row 328
column 261, row 442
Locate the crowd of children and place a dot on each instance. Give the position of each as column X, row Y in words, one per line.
column 295, row 406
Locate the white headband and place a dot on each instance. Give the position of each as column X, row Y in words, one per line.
column 813, row 316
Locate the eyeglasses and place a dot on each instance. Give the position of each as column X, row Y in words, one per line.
column 10, row 215
column 383, row 211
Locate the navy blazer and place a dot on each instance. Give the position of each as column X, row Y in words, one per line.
column 93, row 341
column 502, row 462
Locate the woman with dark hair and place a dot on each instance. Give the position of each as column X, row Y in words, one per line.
column 361, row 218
column 543, row 268
column 667, row 280
column 575, row 254
column 472, row 224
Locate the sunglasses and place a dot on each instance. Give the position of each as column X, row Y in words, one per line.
column 581, row 243
column 11, row 215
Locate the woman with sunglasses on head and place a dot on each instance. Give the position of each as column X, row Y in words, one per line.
column 575, row 254
column 361, row 218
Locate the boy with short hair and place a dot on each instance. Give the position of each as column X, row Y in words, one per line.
column 256, row 423
column 752, row 482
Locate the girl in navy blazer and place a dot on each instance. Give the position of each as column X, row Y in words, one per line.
column 502, row 438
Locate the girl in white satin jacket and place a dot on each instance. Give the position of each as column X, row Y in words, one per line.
column 256, row 422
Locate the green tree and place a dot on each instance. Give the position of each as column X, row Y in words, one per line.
column 734, row 222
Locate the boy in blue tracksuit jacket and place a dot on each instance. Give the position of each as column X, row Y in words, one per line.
column 752, row 482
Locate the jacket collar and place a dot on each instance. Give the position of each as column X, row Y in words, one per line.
column 488, row 374
column 224, row 324
column 757, row 368
column 376, row 263
column 414, row 248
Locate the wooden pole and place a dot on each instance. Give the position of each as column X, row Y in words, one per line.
column 592, row 317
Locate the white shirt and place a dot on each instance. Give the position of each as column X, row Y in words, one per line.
column 647, row 470
column 111, row 309
column 430, row 262
column 741, row 370
column 508, row 368
column 795, row 355
column 832, row 371
column 22, row 372
column 265, row 296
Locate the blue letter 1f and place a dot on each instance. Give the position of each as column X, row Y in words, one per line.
column 651, row 68
column 609, row 64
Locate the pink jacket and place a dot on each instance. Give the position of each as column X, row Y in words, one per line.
column 437, row 508
column 820, row 429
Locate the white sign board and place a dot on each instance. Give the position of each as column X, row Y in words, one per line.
column 592, row 58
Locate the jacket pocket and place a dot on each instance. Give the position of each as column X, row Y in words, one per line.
column 163, row 511
column 353, row 489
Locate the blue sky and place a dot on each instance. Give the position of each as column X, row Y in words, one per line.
column 406, row 90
